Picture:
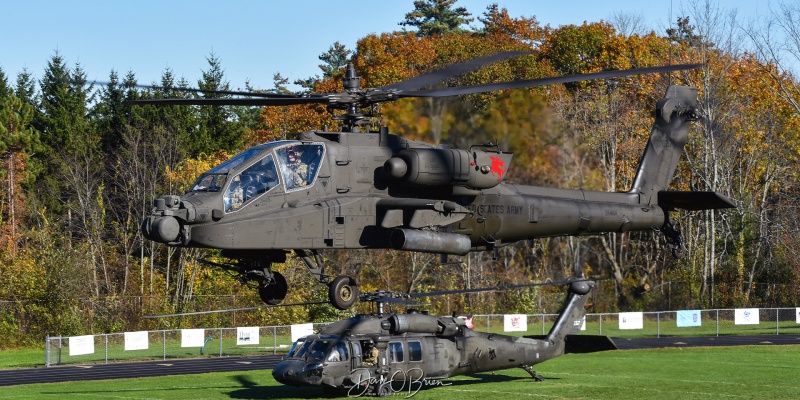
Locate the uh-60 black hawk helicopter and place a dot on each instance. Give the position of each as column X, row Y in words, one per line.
column 374, row 190
column 386, row 353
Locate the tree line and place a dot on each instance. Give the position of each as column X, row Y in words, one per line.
column 81, row 166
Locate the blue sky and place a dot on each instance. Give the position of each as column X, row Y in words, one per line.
column 253, row 39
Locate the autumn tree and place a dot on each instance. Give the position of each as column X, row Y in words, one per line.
column 18, row 140
column 498, row 24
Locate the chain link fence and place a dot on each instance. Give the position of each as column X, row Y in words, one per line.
column 223, row 342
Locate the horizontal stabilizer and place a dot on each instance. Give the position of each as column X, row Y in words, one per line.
column 582, row 343
column 588, row 343
column 693, row 200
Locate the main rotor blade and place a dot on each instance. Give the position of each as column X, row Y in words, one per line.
column 439, row 75
column 195, row 90
column 307, row 303
column 488, row 87
column 268, row 101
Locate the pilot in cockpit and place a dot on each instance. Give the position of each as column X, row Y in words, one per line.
column 297, row 170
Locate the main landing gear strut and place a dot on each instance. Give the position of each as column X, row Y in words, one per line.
column 342, row 290
column 674, row 241
column 272, row 287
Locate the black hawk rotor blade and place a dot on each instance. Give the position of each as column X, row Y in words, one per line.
column 306, row 303
column 501, row 288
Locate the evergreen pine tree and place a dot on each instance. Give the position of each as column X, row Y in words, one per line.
column 25, row 88
column 5, row 90
column 218, row 129
column 436, row 17
column 63, row 125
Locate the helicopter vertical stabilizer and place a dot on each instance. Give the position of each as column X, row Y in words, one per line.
column 570, row 318
column 673, row 116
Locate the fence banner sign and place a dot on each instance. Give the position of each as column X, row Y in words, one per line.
column 687, row 318
column 798, row 314
column 631, row 320
column 246, row 335
column 136, row 340
column 515, row 323
column 80, row 345
column 300, row 330
column 746, row 316
column 193, row 337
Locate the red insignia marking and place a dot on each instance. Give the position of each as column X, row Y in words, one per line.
column 498, row 167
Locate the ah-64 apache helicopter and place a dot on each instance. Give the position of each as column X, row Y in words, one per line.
column 383, row 353
column 374, row 190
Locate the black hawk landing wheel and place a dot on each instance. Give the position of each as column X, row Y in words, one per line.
column 343, row 292
column 273, row 292
column 383, row 389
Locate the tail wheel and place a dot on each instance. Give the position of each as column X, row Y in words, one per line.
column 343, row 292
column 274, row 292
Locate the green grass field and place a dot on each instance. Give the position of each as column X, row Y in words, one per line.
column 747, row 372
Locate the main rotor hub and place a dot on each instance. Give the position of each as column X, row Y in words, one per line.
column 351, row 82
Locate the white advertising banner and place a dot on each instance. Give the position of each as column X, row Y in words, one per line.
column 246, row 335
column 515, row 323
column 631, row 320
column 80, row 345
column 798, row 314
column 136, row 340
column 193, row 337
column 745, row 316
column 688, row 318
column 300, row 330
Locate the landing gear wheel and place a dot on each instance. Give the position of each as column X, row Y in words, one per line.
column 343, row 292
column 384, row 389
column 273, row 293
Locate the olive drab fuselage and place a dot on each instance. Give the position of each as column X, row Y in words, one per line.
column 353, row 202
column 410, row 351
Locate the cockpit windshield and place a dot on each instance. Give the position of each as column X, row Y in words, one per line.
column 297, row 348
column 213, row 179
column 246, row 186
column 318, row 349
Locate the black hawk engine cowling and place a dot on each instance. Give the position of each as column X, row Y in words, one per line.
column 475, row 169
column 422, row 323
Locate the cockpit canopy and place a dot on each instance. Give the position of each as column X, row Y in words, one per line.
column 319, row 348
column 259, row 169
